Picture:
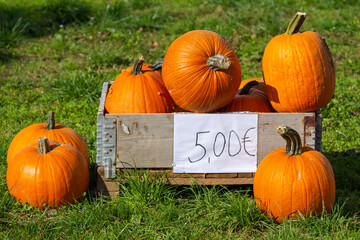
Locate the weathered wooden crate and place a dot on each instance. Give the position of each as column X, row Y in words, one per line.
column 145, row 141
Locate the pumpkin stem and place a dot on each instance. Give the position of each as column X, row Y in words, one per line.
column 51, row 121
column 289, row 146
column 138, row 66
column 218, row 62
column 296, row 23
column 245, row 90
column 293, row 140
column 43, row 145
column 158, row 65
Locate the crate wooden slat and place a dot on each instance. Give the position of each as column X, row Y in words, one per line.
column 145, row 141
column 110, row 187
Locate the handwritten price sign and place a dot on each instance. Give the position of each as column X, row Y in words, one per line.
column 215, row 143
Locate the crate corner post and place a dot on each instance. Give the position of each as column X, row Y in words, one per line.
column 105, row 147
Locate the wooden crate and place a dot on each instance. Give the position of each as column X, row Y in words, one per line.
column 146, row 141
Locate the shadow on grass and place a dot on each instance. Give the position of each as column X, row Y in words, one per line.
column 19, row 21
column 346, row 166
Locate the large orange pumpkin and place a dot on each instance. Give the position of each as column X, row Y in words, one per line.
column 298, row 70
column 249, row 99
column 294, row 180
column 52, row 131
column 201, row 71
column 47, row 173
column 136, row 90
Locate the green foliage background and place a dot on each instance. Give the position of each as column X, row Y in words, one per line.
column 56, row 54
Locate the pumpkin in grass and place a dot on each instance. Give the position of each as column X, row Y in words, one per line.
column 47, row 173
column 260, row 86
column 136, row 90
column 298, row 70
column 294, row 181
column 201, row 71
column 52, row 131
column 249, row 99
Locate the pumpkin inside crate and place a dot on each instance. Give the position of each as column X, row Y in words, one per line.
column 201, row 71
column 138, row 89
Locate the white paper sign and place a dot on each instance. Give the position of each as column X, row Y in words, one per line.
column 215, row 143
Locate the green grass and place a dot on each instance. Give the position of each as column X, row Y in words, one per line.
column 55, row 55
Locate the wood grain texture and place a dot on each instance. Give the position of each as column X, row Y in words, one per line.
column 105, row 89
column 268, row 138
column 146, row 140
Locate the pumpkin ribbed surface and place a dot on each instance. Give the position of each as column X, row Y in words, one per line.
column 54, row 178
column 52, row 131
column 298, row 71
column 287, row 184
column 193, row 82
column 140, row 92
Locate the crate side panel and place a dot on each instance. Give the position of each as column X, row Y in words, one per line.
column 269, row 139
column 144, row 140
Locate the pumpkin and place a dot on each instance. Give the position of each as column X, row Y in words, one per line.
column 249, row 99
column 294, row 180
column 298, row 70
column 201, row 71
column 260, row 86
column 48, row 174
column 52, row 131
column 136, row 90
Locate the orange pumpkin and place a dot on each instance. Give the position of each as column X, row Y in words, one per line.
column 249, row 99
column 294, row 180
column 298, row 70
column 260, row 86
column 52, row 131
column 49, row 174
column 201, row 71
column 136, row 90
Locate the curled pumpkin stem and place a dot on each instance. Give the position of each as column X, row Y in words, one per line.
column 245, row 90
column 218, row 62
column 138, row 66
column 43, row 145
column 293, row 140
column 158, row 65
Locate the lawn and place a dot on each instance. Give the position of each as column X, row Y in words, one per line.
column 55, row 55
